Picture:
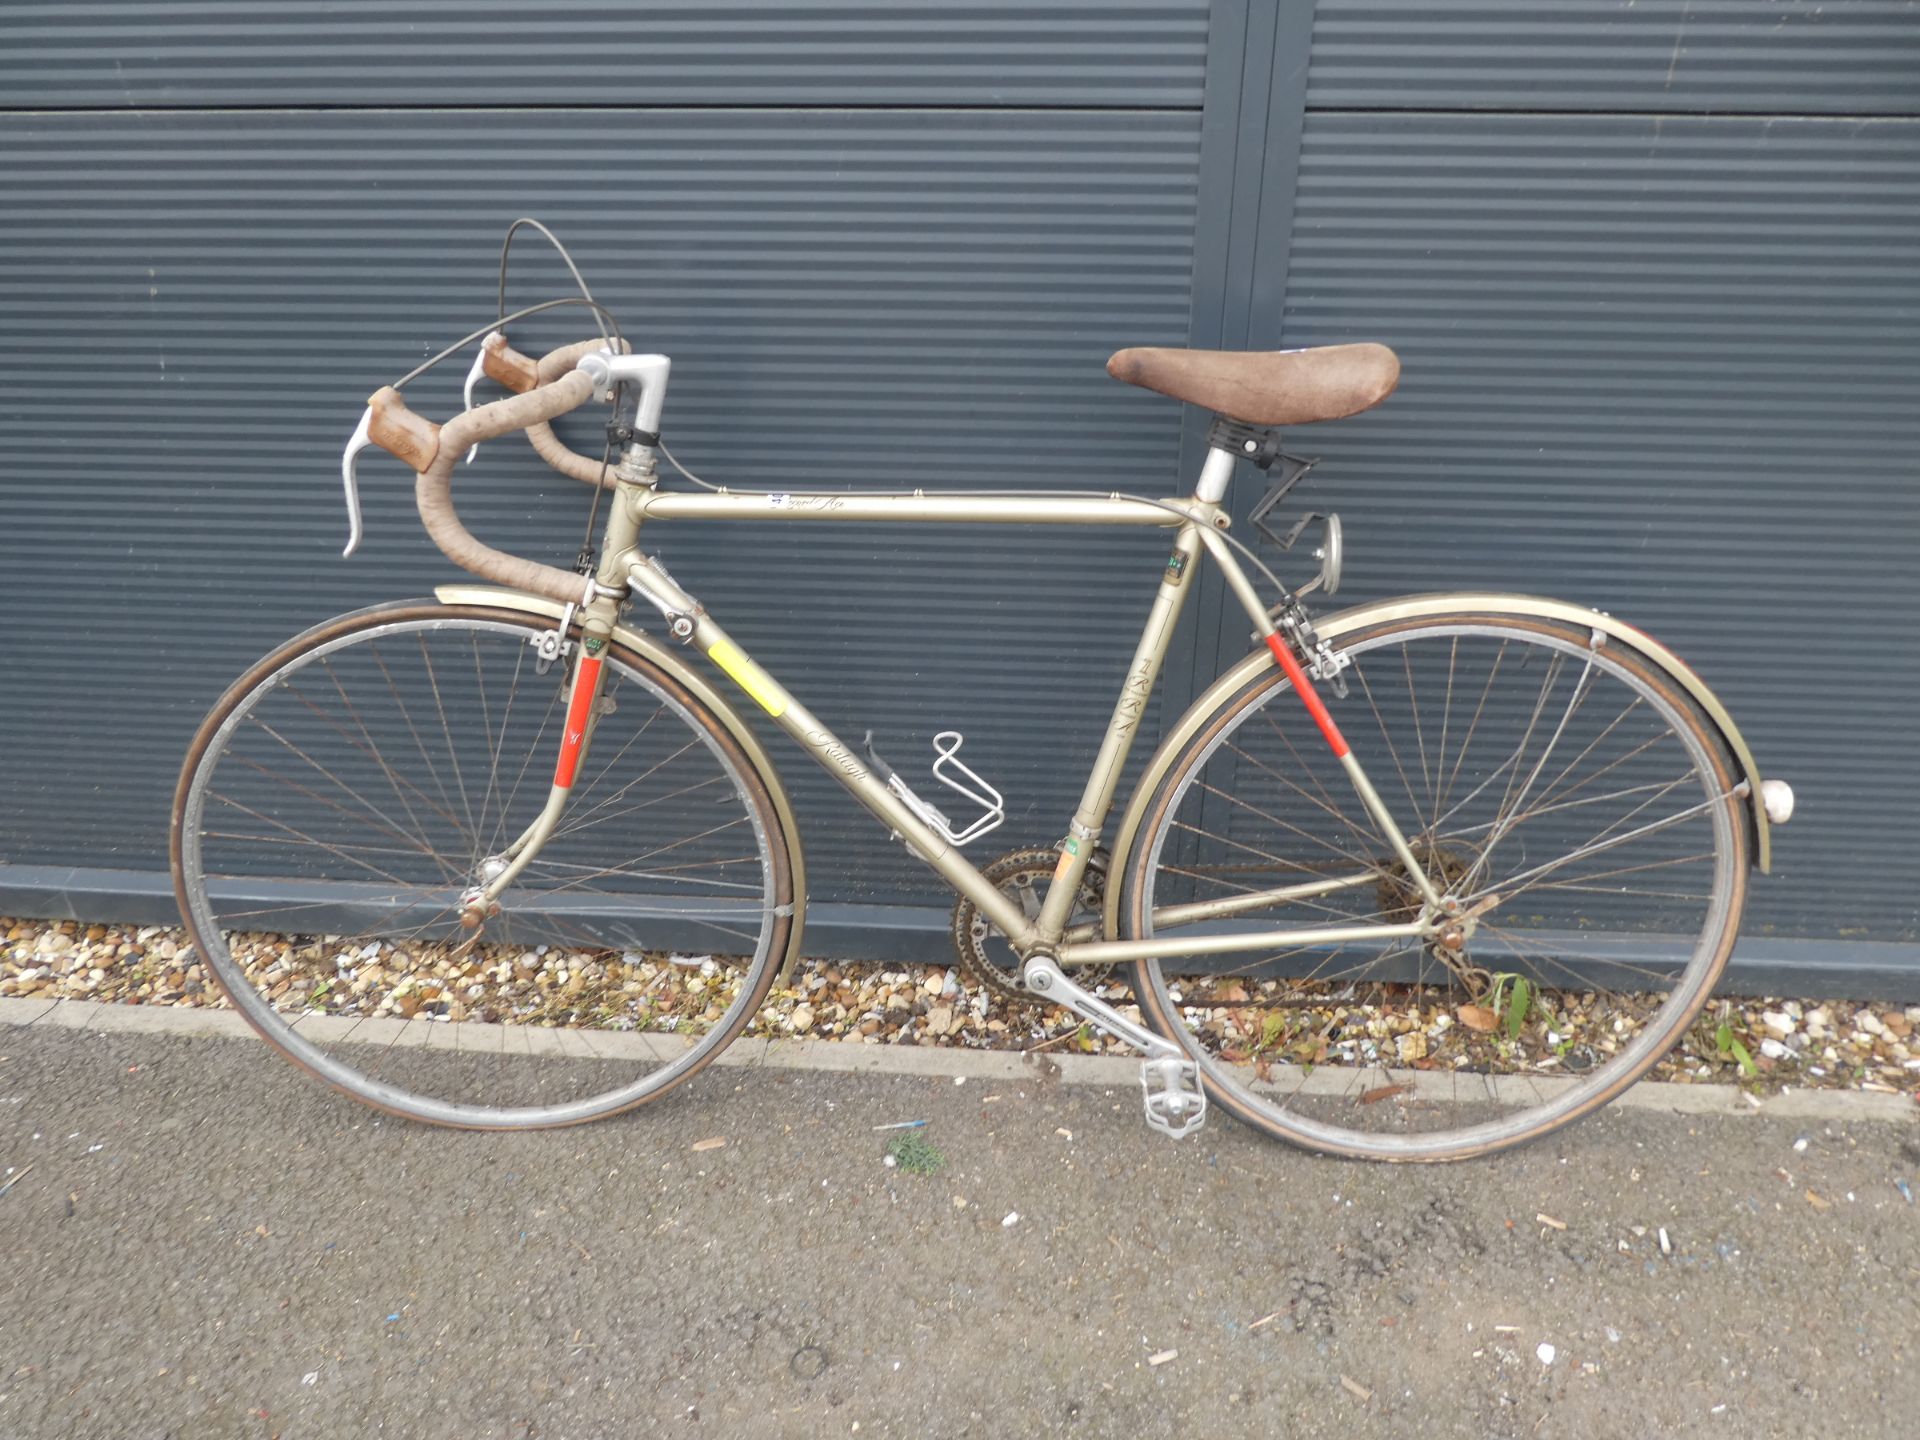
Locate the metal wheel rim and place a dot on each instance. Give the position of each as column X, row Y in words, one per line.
column 1657, row 1035
column 260, row 1012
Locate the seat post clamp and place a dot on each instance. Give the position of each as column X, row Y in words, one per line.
column 1258, row 444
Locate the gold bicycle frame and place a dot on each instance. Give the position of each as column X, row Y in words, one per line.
column 1197, row 521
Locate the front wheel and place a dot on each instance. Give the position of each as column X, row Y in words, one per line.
column 1571, row 801
column 347, row 794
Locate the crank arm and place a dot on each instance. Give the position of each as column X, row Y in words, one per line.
column 1043, row 976
column 1170, row 1089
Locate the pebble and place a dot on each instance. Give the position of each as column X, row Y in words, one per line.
column 1801, row 1043
column 1546, row 1353
column 1013, row 1219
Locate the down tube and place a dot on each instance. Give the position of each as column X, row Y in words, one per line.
column 833, row 753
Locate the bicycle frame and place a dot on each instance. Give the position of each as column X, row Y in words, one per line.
column 1196, row 520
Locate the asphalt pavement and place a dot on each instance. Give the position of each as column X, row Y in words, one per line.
column 207, row 1244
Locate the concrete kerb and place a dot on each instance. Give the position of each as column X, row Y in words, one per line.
column 986, row 1066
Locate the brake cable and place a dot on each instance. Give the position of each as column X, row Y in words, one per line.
column 486, row 330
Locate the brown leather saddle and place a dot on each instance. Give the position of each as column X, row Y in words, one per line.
column 1266, row 387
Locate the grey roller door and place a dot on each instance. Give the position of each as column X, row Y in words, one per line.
column 199, row 297
column 1762, row 57
column 143, row 54
column 1649, row 263
column 1661, row 363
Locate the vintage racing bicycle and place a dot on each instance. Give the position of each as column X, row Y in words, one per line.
column 1417, row 880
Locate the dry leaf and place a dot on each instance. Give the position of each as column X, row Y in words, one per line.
column 1817, row 1202
column 714, row 1144
column 1354, row 1388
column 1383, row 1092
column 1478, row 1017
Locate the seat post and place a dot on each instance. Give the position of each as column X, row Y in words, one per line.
column 1214, row 475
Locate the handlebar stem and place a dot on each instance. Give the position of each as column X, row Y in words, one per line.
column 646, row 373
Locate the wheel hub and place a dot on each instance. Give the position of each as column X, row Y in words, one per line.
column 1450, row 866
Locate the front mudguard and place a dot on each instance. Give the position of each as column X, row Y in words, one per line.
column 1346, row 622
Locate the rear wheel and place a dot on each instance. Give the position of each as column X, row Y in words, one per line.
column 345, row 794
column 1573, row 801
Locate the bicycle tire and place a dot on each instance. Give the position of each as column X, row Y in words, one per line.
column 635, row 1063
column 1318, row 1123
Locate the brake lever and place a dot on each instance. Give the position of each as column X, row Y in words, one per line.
column 474, row 372
column 348, row 461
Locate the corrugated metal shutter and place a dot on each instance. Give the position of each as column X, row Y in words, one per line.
column 198, row 302
column 144, row 54
column 1809, row 57
column 1663, row 365
column 1657, row 321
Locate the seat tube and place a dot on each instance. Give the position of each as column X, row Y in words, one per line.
column 1142, row 674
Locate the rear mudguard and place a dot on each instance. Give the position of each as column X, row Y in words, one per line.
column 496, row 598
column 1346, row 622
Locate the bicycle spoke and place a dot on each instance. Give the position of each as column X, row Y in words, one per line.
column 453, row 753
column 406, row 718
column 529, row 750
column 1393, row 751
column 366, row 746
column 1365, row 837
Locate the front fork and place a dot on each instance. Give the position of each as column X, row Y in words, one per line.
column 598, row 613
column 496, row 872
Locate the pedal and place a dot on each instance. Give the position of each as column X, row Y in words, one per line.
column 957, row 777
column 1175, row 1102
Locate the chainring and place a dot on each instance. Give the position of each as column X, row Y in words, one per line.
column 986, row 959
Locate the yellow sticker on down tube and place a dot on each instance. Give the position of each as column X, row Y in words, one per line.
column 1068, row 849
column 749, row 677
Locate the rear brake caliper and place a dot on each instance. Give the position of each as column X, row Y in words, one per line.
column 1316, row 652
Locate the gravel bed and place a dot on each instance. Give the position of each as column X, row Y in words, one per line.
column 1764, row 1043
